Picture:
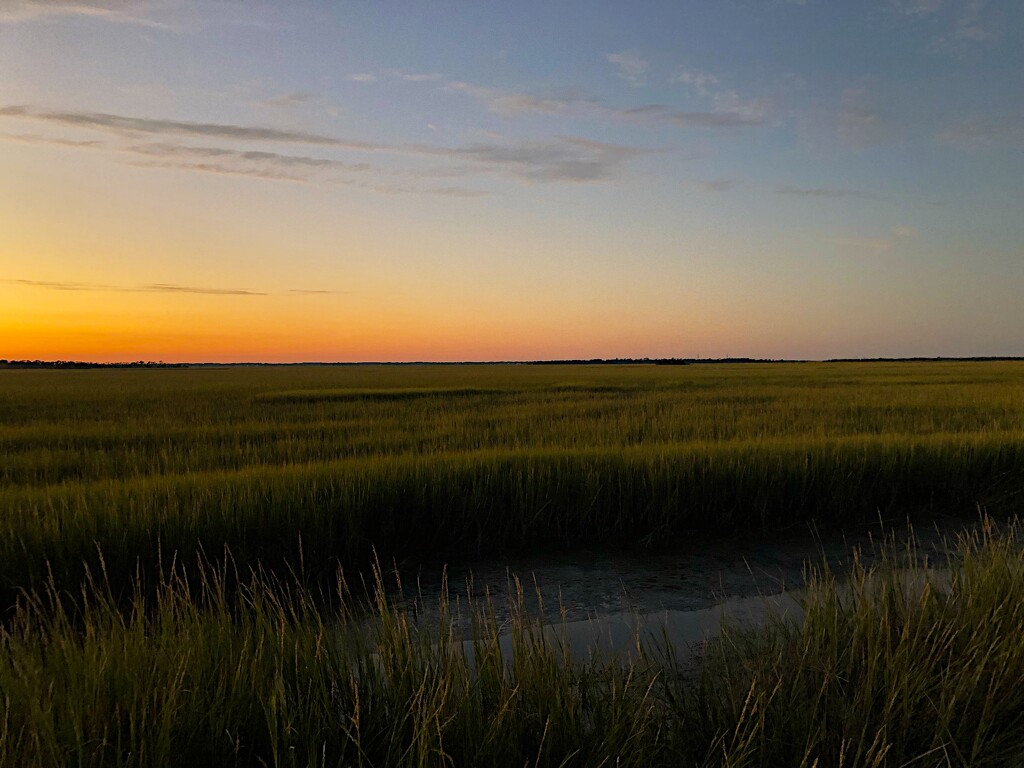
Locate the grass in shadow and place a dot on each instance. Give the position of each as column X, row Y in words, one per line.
column 891, row 667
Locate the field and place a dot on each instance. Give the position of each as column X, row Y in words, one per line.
column 408, row 462
column 170, row 546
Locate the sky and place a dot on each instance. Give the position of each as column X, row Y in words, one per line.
column 398, row 181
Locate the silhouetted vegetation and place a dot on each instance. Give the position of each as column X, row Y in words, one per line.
column 898, row 666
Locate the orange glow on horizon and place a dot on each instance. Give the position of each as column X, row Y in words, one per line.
column 91, row 327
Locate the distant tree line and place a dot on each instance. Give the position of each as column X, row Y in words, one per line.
column 75, row 364
column 659, row 361
column 994, row 359
column 78, row 364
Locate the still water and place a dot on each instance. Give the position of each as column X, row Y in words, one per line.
column 681, row 592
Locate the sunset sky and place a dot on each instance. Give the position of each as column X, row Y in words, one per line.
column 228, row 181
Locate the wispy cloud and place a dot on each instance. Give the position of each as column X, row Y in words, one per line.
column 289, row 100
column 417, row 77
column 221, row 169
column 121, row 11
column 256, row 158
column 725, row 101
column 139, row 125
column 562, row 158
column 32, row 138
column 964, row 23
column 973, row 25
column 833, row 193
column 714, row 185
column 631, row 66
column 272, row 166
column 565, row 158
column 362, row 77
column 916, row 7
column 267, row 166
column 146, row 288
column 518, row 103
column 173, row 288
column 514, row 103
column 59, row 286
column 701, row 82
column 710, row 119
column 986, row 131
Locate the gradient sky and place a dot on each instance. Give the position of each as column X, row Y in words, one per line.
column 347, row 181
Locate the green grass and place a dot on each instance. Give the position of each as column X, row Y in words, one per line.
column 437, row 461
column 170, row 544
column 893, row 668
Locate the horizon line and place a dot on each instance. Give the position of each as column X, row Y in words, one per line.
column 39, row 363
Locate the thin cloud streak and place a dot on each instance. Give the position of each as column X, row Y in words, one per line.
column 60, row 286
column 567, row 158
column 222, row 169
column 986, row 131
column 267, row 166
column 148, row 288
column 419, row 77
column 120, row 11
column 715, row 185
column 916, row 7
column 172, row 288
column 713, row 119
column 517, row 103
column 564, row 158
column 834, row 193
column 129, row 125
column 163, row 150
column 34, row 138
column 288, row 100
column 154, row 288
column 226, row 169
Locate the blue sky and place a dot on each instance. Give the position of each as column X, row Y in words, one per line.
column 501, row 181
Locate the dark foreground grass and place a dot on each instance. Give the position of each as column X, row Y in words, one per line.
column 308, row 469
column 313, row 517
column 894, row 668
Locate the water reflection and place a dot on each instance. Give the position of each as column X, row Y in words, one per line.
column 602, row 601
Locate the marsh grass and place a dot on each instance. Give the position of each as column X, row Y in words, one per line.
column 890, row 667
column 308, row 469
column 170, row 546
column 896, row 664
column 271, row 679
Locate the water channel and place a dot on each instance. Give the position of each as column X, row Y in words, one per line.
column 604, row 601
